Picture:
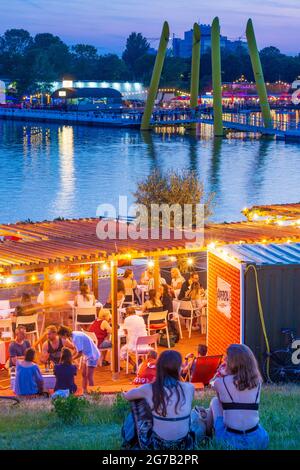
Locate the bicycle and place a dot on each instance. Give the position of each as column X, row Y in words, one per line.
column 281, row 368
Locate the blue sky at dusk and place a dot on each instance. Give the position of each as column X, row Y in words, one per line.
column 107, row 23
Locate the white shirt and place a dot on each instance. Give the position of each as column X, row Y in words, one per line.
column 162, row 281
column 82, row 302
column 41, row 298
column 135, row 327
column 83, row 343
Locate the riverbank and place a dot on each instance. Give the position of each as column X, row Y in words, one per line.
column 33, row 424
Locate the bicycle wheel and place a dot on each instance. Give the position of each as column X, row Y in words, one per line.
column 280, row 366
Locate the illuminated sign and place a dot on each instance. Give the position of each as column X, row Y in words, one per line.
column 223, row 297
column 67, row 83
column 62, row 93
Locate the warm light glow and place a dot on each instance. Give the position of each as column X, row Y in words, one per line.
column 150, row 263
column 82, row 272
column 189, row 261
column 58, row 276
column 173, row 259
column 8, row 280
column 33, row 278
column 211, row 245
column 105, row 267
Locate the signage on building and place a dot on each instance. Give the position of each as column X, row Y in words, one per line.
column 223, row 297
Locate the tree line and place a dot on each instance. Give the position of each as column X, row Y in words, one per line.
column 34, row 62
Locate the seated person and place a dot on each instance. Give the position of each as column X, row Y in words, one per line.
column 234, row 413
column 18, row 347
column 29, row 380
column 153, row 304
column 65, row 372
column 190, row 361
column 145, row 276
column 194, row 277
column 85, row 298
column 130, row 285
column 102, row 329
column 51, row 350
column 134, row 327
column 146, row 373
column 151, row 283
column 170, row 403
column 120, row 295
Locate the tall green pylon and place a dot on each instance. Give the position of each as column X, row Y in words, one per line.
column 258, row 75
column 195, row 66
column 153, row 88
column 216, row 77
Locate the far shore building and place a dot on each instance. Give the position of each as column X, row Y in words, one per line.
column 87, row 99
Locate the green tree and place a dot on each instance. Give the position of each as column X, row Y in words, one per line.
column 136, row 47
column 111, row 67
column 84, row 61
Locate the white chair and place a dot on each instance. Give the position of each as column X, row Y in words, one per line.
column 127, row 303
column 26, row 320
column 161, row 323
column 84, row 312
column 187, row 305
column 101, row 350
column 6, row 328
column 4, row 304
column 143, row 346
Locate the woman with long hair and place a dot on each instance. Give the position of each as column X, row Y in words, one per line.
column 170, row 402
column 234, row 413
column 65, row 372
column 85, row 298
column 153, row 304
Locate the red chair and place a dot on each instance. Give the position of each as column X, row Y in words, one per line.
column 204, row 368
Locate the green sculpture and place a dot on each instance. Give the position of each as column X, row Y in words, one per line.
column 153, row 88
column 216, row 77
column 195, row 66
column 258, row 75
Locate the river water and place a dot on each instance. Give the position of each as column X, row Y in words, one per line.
column 49, row 171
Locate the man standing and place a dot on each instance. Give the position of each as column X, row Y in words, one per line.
column 86, row 349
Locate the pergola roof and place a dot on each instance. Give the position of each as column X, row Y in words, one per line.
column 75, row 241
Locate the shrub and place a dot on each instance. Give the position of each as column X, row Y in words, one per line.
column 120, row 408
column 70, row 409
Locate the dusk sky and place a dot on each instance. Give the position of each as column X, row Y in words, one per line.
column 107, row 23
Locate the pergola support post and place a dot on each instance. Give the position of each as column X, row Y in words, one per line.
column 114, row 311
column 95, row 284
column 156, row 273
column 258, row 75
column 153, row 88
column 216, row 77
column 46, row 285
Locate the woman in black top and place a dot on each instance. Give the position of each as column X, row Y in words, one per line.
column 65, row 372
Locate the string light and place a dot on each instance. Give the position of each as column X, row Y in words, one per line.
column 173, row 259
column 105, row 267
column 190, row 261
column 58, row 276
column 150, row 263
column 8, row 280
column 211, row 246
column 33, row 278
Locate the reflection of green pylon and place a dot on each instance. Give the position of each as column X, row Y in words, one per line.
column 195, row 66
column 258, row 75
column 153, row 88
column 216, row 77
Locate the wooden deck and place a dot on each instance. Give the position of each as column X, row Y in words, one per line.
column 103, row 376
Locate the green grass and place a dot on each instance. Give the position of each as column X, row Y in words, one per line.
column 34, row 425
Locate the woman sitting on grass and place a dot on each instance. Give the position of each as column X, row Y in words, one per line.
column 65, row 372
column 170, row 404
column 29, row 380
column 234, row 412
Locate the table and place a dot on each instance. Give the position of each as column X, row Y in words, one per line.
column 6, row 313
column 48, row 377
column 142, row 290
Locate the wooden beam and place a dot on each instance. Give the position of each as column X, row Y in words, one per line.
column 46, row 285
column 115, row 322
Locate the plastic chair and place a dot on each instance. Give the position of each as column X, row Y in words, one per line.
column 141, row 348
column 25, row 320
column 161, row 323
column 204, row 369
column 84, row 312
column 194, row 313
column 6, row 326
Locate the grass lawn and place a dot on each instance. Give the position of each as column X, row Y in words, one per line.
column 34, row 424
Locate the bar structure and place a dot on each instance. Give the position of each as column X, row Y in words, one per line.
column 47, row 248
column 154, row 84
column 258, row 75
column 216, row 77
column 195, row 74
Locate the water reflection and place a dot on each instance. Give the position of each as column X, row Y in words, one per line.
column 64, row 198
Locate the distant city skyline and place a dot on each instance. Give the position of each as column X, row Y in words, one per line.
column 106, row 25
